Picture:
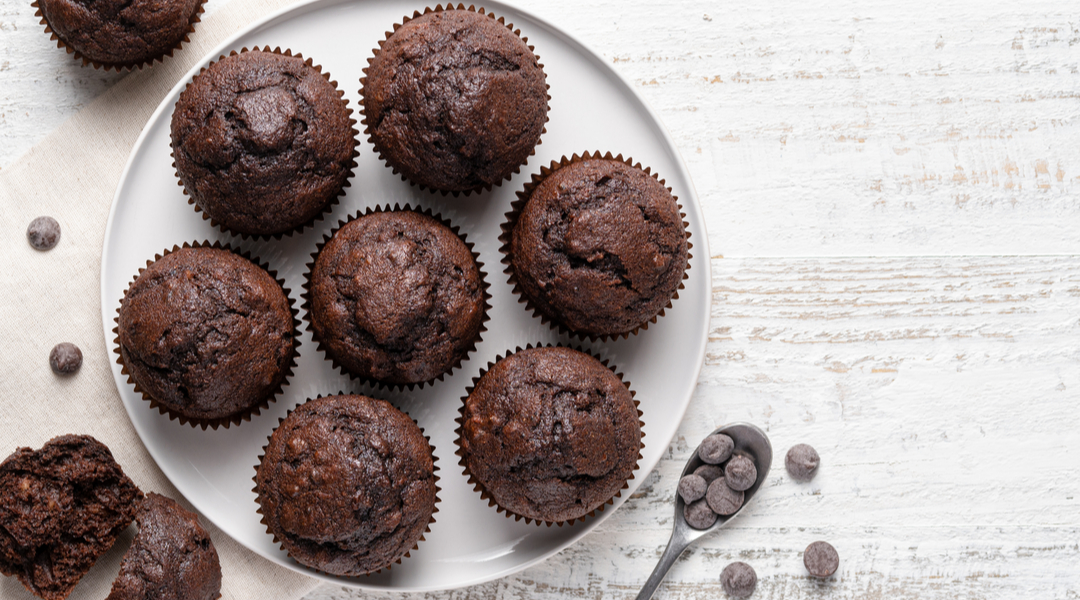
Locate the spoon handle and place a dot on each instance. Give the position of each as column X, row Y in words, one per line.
column 675, row 547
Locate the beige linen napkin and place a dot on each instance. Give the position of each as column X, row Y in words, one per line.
column 51, row 297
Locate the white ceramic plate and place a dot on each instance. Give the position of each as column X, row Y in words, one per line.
column 592, row 108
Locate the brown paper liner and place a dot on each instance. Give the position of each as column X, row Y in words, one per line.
column 427, row 529
column 329, row 205
column 508, row 231
column 375, row 52
column 256, row 408
column 479, row 487
column 306, row 296
column 149, row 62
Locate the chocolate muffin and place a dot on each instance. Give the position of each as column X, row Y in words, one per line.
column 347, row 484
column 120, row 33
column 550, row 434
column 172, row 557
column 61, row 508
column 262, row 142
column 455, row 100
column 207, row 335
column 599, row 246
column 396, row 297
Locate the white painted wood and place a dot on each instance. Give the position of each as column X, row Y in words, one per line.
column 917, row 149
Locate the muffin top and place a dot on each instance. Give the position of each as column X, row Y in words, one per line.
column 120, row 32
column 262, row 142
column 599, row 246
column 396, row 297
column 171, row 558
column 455, row 101
column 347, row 484
column 206, row 333
column 550, row 433
column 61, row 508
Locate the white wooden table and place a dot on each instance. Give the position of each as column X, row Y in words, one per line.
column 892, row 193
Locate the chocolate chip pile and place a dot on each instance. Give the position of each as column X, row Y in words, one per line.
column 717, row 487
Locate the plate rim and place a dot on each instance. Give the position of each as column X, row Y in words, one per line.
column 692, row 205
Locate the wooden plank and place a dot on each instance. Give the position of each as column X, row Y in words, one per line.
column 869, row 128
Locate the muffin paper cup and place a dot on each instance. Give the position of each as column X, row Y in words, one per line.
column 427, row 529
column 255, row 409
column 149, row 62
column 479, row 487
column 329, row 205
column 306, row 296
column 363, row 85
column 506, row 238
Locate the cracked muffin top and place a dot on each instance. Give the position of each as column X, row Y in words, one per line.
column 262, row 142
column 599, row 247
column 206, row 333
column 347, row 484
column 171, row 558
column 550, row 434
column 396, row 297
column 120, row 33
column 455, row 101
column 61, row 508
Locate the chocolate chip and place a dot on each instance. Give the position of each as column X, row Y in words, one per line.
column 715, row 449
column 692, row 487
column 722, row 499
column 821, row 559
column 698, row 515
column 740, row 473
column 65, row 358
column 43, row 233
column 738, row 579
column 802, row 462
column 709, row 473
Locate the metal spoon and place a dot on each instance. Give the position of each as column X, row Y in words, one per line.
column 748, row 440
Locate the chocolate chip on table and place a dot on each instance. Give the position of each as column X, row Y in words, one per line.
column 43, row 233
column 802, row 462
column 692, row 487
column 740, row 473
column 698, row 515
column 722, row 499
column 821, row 559
column 65, row 358
column 738, row 579
column 709, row 473
column 715, row 449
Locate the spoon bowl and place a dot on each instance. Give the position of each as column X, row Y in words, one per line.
column 749, row 441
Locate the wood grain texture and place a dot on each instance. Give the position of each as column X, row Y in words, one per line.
column 891, row 194
column 40, row 85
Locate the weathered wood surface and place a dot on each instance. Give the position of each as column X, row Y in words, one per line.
column 871, row 173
